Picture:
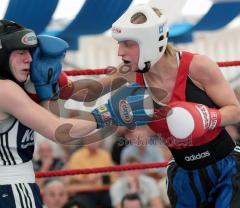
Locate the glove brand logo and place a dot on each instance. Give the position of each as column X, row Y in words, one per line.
column 204, row 114
column 116, row 30
column 102, row 109
column 124, row 110
column 29, row 39
column 214, row 119
column 197, row 156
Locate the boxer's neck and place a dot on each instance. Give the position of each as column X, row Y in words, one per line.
column 164, row 68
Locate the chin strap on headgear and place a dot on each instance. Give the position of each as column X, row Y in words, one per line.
column 151, row 35
column 13, row 37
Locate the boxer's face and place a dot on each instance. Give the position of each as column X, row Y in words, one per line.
column 19, row 62
column 129, row 51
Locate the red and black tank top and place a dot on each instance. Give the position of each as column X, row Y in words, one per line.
column 184, row 90
column 200, row 152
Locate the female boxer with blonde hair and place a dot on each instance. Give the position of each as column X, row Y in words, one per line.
column 195, row 102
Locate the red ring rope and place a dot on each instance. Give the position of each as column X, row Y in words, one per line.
column 116, row 168
column 78, row 72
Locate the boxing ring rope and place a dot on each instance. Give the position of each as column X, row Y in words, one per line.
column 228, row 63
column 116, row 168
column 78, row 72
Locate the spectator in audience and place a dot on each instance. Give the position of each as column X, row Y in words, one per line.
column 131, row 200
column 45, row 161
column 136, row 182
column 147, row 152
column 54, row 194
column 45, row 158
column 146, row 148
column 91, row 189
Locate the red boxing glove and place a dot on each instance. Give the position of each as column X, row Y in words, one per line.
column 31, row 91
column 66, row 86
column 191, row 119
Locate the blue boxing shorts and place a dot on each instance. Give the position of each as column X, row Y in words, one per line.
column 216, row 185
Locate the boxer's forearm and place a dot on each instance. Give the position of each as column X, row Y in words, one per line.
column 73, row 130
column 230, row 115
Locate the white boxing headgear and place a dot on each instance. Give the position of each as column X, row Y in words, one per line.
column 151, row 35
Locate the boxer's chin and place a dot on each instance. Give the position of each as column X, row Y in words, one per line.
column 133, row 67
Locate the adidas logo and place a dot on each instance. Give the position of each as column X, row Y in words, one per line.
column 197, row 156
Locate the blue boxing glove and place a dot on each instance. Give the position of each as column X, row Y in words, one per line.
column 46, row 66
column 130, row 106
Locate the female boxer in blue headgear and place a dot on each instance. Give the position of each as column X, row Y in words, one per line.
column 194, row 102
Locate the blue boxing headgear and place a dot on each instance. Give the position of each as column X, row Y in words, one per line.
column 13, row 37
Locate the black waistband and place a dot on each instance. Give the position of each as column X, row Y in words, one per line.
column 204, row 155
